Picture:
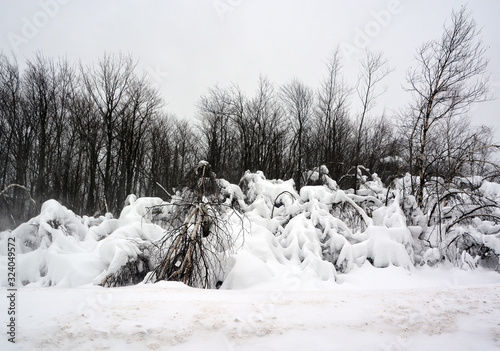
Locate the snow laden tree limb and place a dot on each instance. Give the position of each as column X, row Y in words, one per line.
column 358, row 211
column 277, row 197
column 481, row 201
column 444, row 197
column 471, row 214
column 461, row 195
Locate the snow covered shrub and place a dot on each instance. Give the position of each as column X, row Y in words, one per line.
column 467, row 247
column 198, row 235
column 54, row 249
column 457, row 222
column 303, row 245
column 325, row 230
column 386, row 242
column 127, row 250
column 356, row 208
column 267, row 197
column 321, row 176
column 54, row 219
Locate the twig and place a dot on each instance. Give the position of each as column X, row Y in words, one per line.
column 165, row 190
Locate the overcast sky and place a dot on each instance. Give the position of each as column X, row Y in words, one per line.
column 188, row 46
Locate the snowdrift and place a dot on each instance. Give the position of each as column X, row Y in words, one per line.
column 316, row 235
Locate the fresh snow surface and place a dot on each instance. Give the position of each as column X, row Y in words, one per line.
column 370, row 309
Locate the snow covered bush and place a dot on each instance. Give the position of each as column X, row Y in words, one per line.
column 387, row 242
column 324, row 229
column 459, row 222
column 54, row 249
column 127, row 251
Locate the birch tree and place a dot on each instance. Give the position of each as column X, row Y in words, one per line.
column 448, row 79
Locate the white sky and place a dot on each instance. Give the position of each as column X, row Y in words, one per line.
column 188, row 46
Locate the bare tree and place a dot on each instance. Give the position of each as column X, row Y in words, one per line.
column 448, row 79
column 65, row 146
column 18, row 136
column 216, row 126
column 10, row 107
column 16, row 139
column 86, row 121
column 107, row 86
column 332, row 120
column 373, row 70
column 265, row 115
column 298, row 102
column 143, row 105
column 158, row 157
column 381, row 151
column 186, row 151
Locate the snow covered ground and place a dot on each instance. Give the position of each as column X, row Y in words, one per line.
column 369, row 309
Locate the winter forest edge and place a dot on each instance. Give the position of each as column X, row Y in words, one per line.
column 289, row 178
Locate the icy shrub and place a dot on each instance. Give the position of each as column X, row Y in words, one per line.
column 264, row 195
column 54, row 220
column 303, row 246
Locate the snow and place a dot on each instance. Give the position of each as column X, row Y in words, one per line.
column 317, row 269
column 375, row 309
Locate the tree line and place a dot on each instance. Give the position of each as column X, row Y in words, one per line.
column 90, row 135
column 86, row 136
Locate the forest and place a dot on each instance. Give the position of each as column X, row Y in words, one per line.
column 89, row 135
